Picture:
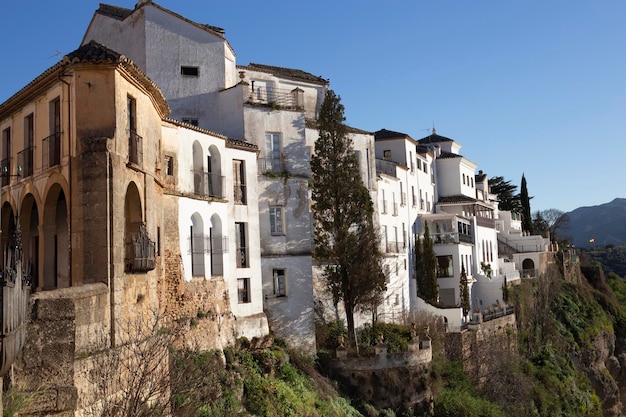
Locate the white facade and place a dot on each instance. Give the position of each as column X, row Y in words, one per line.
column 218, row 217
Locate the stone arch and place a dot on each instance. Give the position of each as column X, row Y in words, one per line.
column 29, row 224
column 528, row 264
column 56, row 264
column 133, row 222
column 8, row 227
column 216, row 235
column 196, row 245
column 214, row 169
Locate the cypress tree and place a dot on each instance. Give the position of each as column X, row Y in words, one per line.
column 347, row 246
column 464, row 292
column 426, row 268
column 527, row 220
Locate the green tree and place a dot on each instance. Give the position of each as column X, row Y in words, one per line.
column 426, row 268
column 464, row 292
column 508, row 199
column 347, row 246
column 527, row 220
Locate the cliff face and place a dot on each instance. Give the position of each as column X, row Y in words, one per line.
column 604, row 371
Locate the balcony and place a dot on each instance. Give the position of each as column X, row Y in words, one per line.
column 485, row 222
column 276, row 97
column 240, row 194
column 206, row 184
column 135, row 149
column 393, row 247
column 403, row 199
column 384, row 207
column 25, row 161
column 140, row 253
column 51, row 155
column 395, row 209
column 451, row 238
column 271, row 165
column 386, row 167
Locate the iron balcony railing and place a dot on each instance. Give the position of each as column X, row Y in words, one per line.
column 240, row 194
column 135, row 148
column 451, row 238
column 393, row 247
column 25, row 161
column 395, row 209
column 403, row 199
column 384, row 207
column 51, row 152
column 271, row 165
column 272, row 96
column 207, row 184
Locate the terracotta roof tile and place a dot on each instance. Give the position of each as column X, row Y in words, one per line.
column 389, row 134
column 286, row 72
column 434, row 138
column 119, row 13
column 93, row 52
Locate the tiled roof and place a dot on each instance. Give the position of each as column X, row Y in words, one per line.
column 291, row 73
column 388, row 134
column 434, row 138
column 119, row 13
column 311, row 123
column 93, row 52
column 445, row 155
column 456, row 199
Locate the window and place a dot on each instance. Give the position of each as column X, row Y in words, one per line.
column 279, row 283
column 5, row 165
column 242, row 250
column 445, row 268
column 411, row 162
column 135, row 142
column 239, row 181
column 463, row 179
column 51, row 146
column 191, row 120
column 387, row 155
column 273, row 160
column 276, row 221
column 419, row 164
column 25, row 157
column 168, row 163
column 189, row 71
column 425, row 168
column 243, row 290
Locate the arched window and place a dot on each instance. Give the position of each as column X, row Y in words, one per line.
column 196, row 245
column 214, row 169
column 218, row 246
column 200, row 183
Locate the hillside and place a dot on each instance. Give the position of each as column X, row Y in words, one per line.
column 605, row 223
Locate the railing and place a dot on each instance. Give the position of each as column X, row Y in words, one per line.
column 135, row 148
column 272, row 165
column 414, row 200
column 51, row 152
column 272, row 96
column 218, row 248
column 386, row 167
column 403, row 199
column 497, row 313
column 384, row 207
column 207, row 184
column 140, row 252
column 25, row 161
column 240, row 194
column 485, row 222
column 393, row 247
column 395, row 209
column 5, row 171
column 530, row 273
column 451, row 237
column 242, row 257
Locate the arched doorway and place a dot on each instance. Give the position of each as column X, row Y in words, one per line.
column 196, row 245
column 56, row 273
column 140, row 251
column 29, row 223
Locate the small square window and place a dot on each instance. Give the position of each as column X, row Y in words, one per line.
column 189, row 71
column 387, row 155
column 279, row 283
column 169, row 165
column 243, row 290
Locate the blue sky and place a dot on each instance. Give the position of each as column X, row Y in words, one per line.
column 528, row 87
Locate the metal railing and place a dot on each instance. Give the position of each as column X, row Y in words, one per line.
column 395, row 209
column 25, row 161
column 135, row 148
column 207, row 184
column 393, row 247
column 5, row 171
column 403, row 199
column 272, row 96
column 272, row 165
column 240, row 194
column 51, row 150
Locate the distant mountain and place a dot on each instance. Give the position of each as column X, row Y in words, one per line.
column 606, row 224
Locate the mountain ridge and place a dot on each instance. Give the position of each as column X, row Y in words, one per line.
column 603, row 224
